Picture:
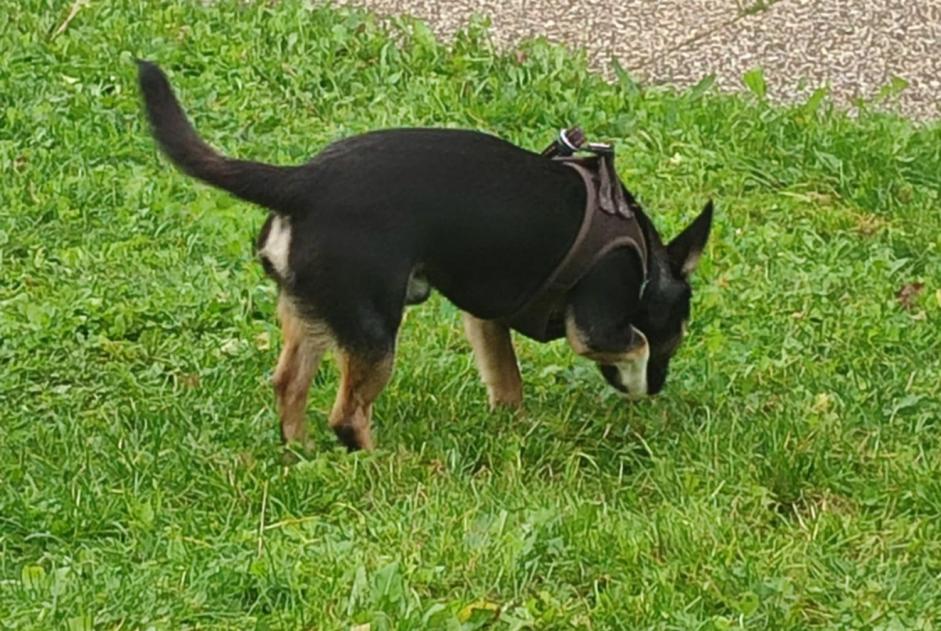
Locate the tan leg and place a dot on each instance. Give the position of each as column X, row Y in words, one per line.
column 304, row 345
column 361, row 381
column 496, row 361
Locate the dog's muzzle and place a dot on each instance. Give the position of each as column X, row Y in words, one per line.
column 629, row 376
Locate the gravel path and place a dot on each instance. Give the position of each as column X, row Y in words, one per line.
column 854, row 46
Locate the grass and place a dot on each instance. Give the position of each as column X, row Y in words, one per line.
column 789, row 477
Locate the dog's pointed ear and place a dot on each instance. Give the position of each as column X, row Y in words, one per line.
column 684, row 251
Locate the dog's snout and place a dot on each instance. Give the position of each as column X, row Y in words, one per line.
column 629, row 377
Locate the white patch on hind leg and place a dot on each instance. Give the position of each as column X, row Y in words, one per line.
column 633, row 371
column 278, row 245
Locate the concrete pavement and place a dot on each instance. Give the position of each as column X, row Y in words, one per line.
column 854, row 46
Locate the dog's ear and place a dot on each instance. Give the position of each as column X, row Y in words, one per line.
column 684, row 251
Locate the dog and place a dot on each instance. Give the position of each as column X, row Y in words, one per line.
column 374, row 222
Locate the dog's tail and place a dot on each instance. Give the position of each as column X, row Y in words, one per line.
column 274, row 187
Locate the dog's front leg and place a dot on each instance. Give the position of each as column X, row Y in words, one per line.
column 496, row 361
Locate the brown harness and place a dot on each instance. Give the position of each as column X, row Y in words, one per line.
column 609, row 223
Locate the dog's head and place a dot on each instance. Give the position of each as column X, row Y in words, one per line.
column 660, row 323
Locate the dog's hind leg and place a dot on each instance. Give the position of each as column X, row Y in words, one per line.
column 496, row 361
column 362, row 300
column 305, row 342
column 362, row 379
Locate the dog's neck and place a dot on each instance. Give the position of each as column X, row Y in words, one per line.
column 655, row 247
column 650, row 233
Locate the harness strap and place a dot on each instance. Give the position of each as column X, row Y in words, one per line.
column 567, row 274
column 600, row 232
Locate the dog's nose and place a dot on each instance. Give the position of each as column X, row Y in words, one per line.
column 656, row 380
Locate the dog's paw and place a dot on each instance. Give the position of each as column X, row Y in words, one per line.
column 505, row 401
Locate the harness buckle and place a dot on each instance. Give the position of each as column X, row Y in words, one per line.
column 568, row 142
column 611, row 197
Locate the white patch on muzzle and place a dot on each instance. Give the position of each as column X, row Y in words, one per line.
column 633, row 370
column 278, row 245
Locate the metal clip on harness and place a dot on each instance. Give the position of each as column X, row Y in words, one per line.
column 611, row 195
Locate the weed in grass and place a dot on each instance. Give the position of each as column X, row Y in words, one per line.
column 754, row 8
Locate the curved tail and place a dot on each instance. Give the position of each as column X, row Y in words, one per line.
column 271, row 186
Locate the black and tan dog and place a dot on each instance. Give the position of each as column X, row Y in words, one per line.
column 514, row 239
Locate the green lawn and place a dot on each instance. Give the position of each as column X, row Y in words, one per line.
column 788, row 478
